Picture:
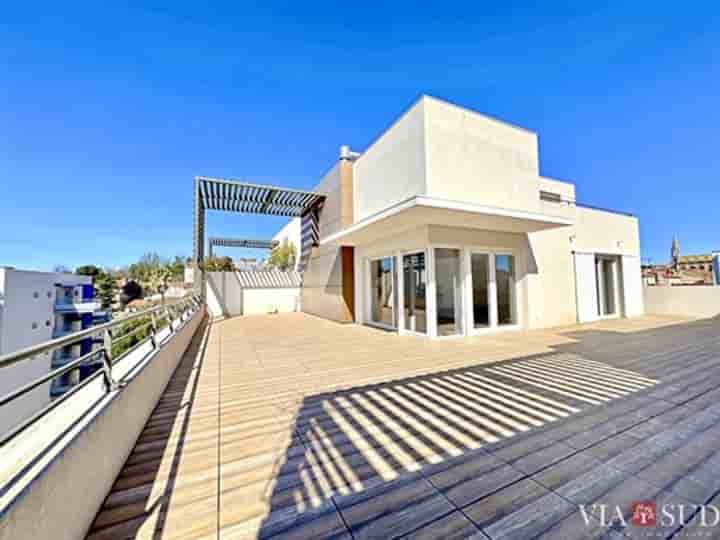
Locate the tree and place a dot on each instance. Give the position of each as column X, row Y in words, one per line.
column 141, row 270
column 283, row 256
column 130, row 291
column 218, row 264
column 88, row 270
column 177, row 268
column 157, row 280
column 105, row 289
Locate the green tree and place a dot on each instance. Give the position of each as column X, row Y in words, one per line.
column 218, row 264
column 141, row 270
column 88, row 270
column 105, row 289
column 283, row 256
column 157, row 280
column 177, row 268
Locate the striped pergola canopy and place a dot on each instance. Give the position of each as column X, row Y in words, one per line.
column 246, row 198
column 243, row 243
column 235, row 196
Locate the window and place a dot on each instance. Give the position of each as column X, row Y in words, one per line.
column 414, row 283
column 505, row 284
column 480, row 275
column 47, row 323
column 382, row 287
column 448, row 291
column 34, row 326
column 549, row 196
column 36, row 294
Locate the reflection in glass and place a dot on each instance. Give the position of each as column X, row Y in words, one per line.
column 448, row 283
column 480, row 269
column 382, row 287
column 505, row 280
column 414, row 282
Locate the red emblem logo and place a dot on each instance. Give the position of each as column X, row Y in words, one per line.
column 644, row 514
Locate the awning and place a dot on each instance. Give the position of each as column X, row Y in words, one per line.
column 235, row 196
column 418, row 211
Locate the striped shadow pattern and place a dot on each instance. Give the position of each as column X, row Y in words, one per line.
column 574, row 377
column 358, row 438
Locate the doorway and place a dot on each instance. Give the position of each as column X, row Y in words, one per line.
column 607, row 285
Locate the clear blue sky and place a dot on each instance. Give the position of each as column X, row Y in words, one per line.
column 108, row 112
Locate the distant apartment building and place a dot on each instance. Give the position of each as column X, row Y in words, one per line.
column 37, row 307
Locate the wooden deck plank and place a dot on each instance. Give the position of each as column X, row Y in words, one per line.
column 291, row 426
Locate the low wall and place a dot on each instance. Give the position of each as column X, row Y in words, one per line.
column 56, row 475
column 230, row 294
column 693, row 301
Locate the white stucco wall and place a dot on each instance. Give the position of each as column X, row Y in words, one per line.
column 226, row 297
column 392, row 169
column 476, row 159
column 696, row 301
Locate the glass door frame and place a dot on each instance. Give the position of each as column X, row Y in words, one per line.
column 615, row 278
column 493, row 327
column 431, row 297
column 429, row 306
column 397, row 300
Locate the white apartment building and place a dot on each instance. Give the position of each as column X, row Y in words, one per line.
column 36, row 307
column 444, row 227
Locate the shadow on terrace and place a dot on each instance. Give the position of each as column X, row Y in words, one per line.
column 349, row 445
column 243, row 445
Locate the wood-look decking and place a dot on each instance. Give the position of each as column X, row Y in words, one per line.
column 292, row 426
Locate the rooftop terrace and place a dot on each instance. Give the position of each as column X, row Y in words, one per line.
column 292, row 426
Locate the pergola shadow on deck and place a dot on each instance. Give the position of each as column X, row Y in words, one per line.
column 295, row 426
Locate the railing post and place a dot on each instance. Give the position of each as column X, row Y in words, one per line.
column 170, row 317
column 153, row 330
column 110, row 383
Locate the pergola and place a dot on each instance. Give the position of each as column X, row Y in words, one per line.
column 243, row 197
column 249, row 243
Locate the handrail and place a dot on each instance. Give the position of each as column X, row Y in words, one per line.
column 168, row 312
column 21, row 354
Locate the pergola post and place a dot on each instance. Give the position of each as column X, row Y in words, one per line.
column 198, row 241
column 243, row 197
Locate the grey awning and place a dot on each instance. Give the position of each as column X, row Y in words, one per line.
column 235, row 196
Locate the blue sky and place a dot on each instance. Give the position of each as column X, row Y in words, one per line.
column 108, row 112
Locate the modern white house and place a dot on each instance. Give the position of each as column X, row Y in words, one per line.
column 444, row 227
column 36, row 307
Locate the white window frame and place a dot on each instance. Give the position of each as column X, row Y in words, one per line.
column 401, row 293
column 494, row 327
column 432, row 291
column 369, row 292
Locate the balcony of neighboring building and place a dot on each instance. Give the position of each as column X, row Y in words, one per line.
column 76, row 299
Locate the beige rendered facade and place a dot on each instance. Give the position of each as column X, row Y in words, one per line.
column 444, row 227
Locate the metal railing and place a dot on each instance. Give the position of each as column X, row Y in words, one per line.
column 159, row 317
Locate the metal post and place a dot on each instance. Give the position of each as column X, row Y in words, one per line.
column 110, row 383
column 153, row 331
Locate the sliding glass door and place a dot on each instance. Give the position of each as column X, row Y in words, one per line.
column 414, row 291
column 383, row 297
column 493, row 286
column 505, row 280
column 448, row 287
column 480, row 278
